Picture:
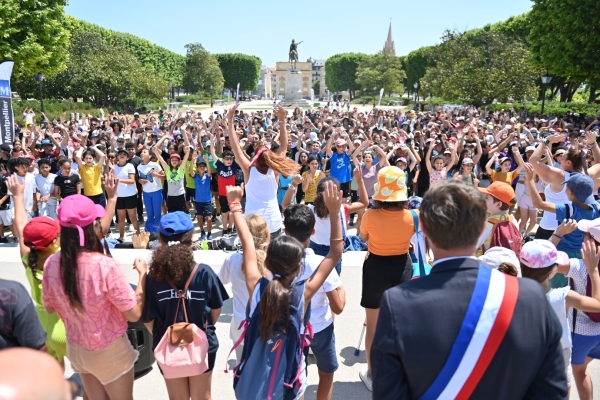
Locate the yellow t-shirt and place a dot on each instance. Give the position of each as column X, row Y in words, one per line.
column 311, row 192
column 389, row 231
column 508, row 177
column 91, row 179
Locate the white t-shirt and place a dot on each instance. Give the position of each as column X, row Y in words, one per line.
column 584, row 325
column 231, row 272
column 145, row 169
column 558, row 302
column 322, row 233
column 125, row 189
column 45, row 185
column 28, row 192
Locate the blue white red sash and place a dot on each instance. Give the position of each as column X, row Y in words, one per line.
column 481, row 333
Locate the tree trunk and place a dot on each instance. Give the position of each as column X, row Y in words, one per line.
column 592, row 97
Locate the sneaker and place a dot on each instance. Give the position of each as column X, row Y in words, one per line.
column 202, row 236
column 225, row 231
column 3, row 239
column 364, row 376
column 120, row 240
column 209, row 236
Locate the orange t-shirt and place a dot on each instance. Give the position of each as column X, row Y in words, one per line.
column 389, row 231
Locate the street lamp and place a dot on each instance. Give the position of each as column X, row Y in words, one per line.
column 374, row 91
column 546, row 78
column 40, row 78
column 170, row 90
column 211, row 99
column 416, row 86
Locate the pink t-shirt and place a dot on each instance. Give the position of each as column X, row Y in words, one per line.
column 105, row 294
column 437, row 176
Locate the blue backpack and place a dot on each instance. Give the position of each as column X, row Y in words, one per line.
column 271, row 369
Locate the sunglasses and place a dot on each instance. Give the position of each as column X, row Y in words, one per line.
column 111, row 157
column 227, row 158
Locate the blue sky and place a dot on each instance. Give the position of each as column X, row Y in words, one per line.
column 266, row 28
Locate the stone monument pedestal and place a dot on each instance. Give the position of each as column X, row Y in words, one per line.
column 293, row 89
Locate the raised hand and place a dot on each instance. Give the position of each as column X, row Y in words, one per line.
column 111, row 184
column 528, row 168
column 14, row 186
column 235, row 193
column 297, row 180
column 332, row 198
column 590, row 253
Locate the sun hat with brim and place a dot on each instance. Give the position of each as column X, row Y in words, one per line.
column 495, row 256
column 590, row 226
column 77, row 211
column 582, row 187
column 391, row 185
column 467, row 161
column 542, row 254
column 504, row 159
column 501, row 191
column 559, row 152
column 175, row 223
column 40, row 232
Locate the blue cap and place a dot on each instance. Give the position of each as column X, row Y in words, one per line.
column 582, row 187
column 207, row 143
column 175, row 223
column 47, row 141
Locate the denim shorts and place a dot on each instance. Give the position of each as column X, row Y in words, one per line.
column 204, row 209
column 323, row 347
column 585, row 346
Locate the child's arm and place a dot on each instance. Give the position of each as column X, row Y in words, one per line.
column 110, row 185
column 519, row 160
column 488, row 166
column 252, row 275
column 77, row 156
column 159, row 158
column 101, row 156
column 333, row 200
column 283, row 135
column 191, row 170
column 79, row 187
column 590, row 254
column 428, row 158
column 363, row 197
column 533, row 193
column 57, row 193
column 17, row 189
column 235, row 144
column 209, row 170
column 291, row 192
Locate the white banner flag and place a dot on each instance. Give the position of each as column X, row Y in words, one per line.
column 380, row 96
column 7, row 125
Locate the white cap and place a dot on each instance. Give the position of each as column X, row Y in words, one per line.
column 495, row 256
column 313, row 136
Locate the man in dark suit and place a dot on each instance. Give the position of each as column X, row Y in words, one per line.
column 419, row 321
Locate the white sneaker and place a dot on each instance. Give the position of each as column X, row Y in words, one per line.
column 364, row 376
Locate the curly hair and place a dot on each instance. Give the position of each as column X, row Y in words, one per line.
column 277, row 162
column 172, row 262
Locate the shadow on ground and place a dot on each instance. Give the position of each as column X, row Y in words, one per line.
column 349, row 359
column 341, row 391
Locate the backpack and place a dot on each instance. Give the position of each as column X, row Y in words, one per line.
column 271, row 369
column 183, row 348
column 506, row 234
column 594, row 316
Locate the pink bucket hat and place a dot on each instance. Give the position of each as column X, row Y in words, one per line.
column 77, row 211
column 542, row 254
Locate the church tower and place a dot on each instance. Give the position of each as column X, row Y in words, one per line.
column 389, row 47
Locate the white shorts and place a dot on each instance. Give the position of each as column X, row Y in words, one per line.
column 519, row 191
column 526, row 203
column 6, row 218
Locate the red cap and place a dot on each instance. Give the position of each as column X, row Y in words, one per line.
column 30, row 156
column 40, row 232
column 133, row 125
column 175, row 155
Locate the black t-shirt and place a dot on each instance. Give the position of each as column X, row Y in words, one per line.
column 19, row 322
column 67, row 184
column 205, row 293
column 485, row 158
column 4, row 192
column 135, row 161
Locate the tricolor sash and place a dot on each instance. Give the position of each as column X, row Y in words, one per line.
column 486, row 321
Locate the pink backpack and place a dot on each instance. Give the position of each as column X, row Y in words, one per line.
column 183, row 348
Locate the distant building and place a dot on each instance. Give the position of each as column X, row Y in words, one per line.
column 389, row 47
column 264, row 88
column 318, row 68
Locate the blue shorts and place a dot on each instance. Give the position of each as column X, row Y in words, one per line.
column 585, row 346
column 323, row 347
column 204, row 209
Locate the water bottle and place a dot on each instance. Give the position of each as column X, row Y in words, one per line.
column 205, row 245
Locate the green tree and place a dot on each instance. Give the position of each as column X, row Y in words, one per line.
column 101, row 74
column 417, row 62
column 34, row 35
column 340, row 72
column 239, row 68
column 564, row 39
column 317, row 87
column 381, row 71
column 201, row 70
column 482, row 67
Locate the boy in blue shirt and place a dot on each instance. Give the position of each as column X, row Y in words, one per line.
column 203, row 198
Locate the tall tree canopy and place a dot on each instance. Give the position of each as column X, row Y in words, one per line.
column 483, row 66
column 34, row 35
column 382, row 71
column 340, row 72
column 201, row 70
column 242, row 68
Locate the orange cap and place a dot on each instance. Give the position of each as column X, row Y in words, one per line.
column 500, row 190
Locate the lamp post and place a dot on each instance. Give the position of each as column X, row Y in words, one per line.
column 211, row 97
column 40, row 78
column 416, row 86
column 170, row 90
column 546, row 78
column 374, row 96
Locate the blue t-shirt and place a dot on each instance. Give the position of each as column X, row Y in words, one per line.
column 572, row 242
column 340, row 167
column 203, row 192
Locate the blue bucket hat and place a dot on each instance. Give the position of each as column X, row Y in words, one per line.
column 582, row 187
column 175, row 223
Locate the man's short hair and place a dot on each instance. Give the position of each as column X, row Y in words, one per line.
column 129, row 146
column 43, row 161
column 299, row 221
column 453, row 213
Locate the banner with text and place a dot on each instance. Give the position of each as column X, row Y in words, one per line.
column 7, row 126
